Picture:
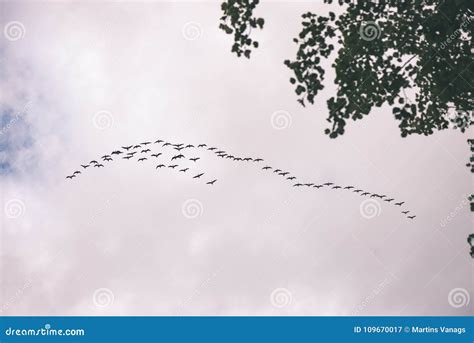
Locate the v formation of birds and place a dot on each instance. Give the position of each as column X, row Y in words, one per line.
column 145, row 151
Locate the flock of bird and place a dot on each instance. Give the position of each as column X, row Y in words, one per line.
column 145, row 151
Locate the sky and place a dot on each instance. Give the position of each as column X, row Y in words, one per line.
column 79, row 80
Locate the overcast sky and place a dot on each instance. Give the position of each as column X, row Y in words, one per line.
column 80, row 80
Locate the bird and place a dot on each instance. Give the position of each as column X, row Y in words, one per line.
column 108, row 159
column 357, row 190
column 389, row 200
column 178, row 145
column 116, row 152
column 189, row 146
column 93, row 161
column 202, row 145
column 145, row 143
column 85, row 166
column 131, row 153
column 277, row 170
column 166, row 144
column 405, row 212
column 158, row 141
column 283, row 174
column 258, row 160
column 179, row 148
column 336, row 187
column 172, row 166
column 156, row 155
column 184, row 170
column 349, row 187
column 308, row 184
column 99, row 165
column 220, row 152
column 301, row 101
column 137, row 146
column 411, row 217
column 160, row 166
column 399, row 203
column 247, row 159
column 230, row 156
column 266, row 167
column 127, row 147
column 211, row 149
column 194, row 159
column 76, row 172
column 70, row 176
column 198, row 176
column 318, row 186
column 291, row 177
column 237, row 159
column 297, row 185
column 177, row 157
column 374, row 195
column 127, row 157
column 144, row 151
column 211, row 182
column 222, row 155
column 365, row 193
column 105, row 156
column 328, row 184
column 142, row 159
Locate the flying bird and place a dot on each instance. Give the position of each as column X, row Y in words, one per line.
column 94, row 161
column 184, row 170
column 99, row 165
column 137, row 146
column 76, row 172
column 145, row 143
column 308, row 184
column 160, row 166
column 108, row 159
column 357, row 190
column 389, row 200
column 297, row 185
column 405, row 212
column 336, row 187
column 70, row 176
column 158, row 141
column 365, row 193
column 198, row 176
column 172, row 166
column 283, row 174
column 266, row 167
column 194, row 159
column 318, row 186
column 85, row 166
column 127, row 157
column 105, row 156
column 328, row 184
column 291, row 177
column 247, row 159
column 202, row 145
column 189, row 146
column 277, row 170
column 142, row 159
column 399, row 203
column 116, row 152
column 211, row 182
column 127, row 147
column 349, row 187
column 156, row 155
column 258, row 160
column 131, row 153
column 177, row 157
column 166, row 144
column 211, row 149
column 179, row 148
column 145, row 151
column 411, row 217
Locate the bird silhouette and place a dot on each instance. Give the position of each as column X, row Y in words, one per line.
column 318, row 186
column 144, row 151
column 328, row 184
column 137, row 146
column 184, row 170
column 127, row 157
column 258, row 160
column 220, row 152
column 349, row 187
column 211, row 182
column 178, row 145
column 357, row 190
column 172, row 166
column 373, row 195
column 166, row 144
column 365, row 193
column 277, row 170
column 291, row 177
column 105, row 156
column 309, row 184
column 247, row 159
column 211, row 149
column 336, row 187
column 411, row 217
column 202, row 145
column 116, row 152
column 179, row 148
column 131, row 153
column 70, row 176
column 160, row 166
column 158, row 141
column 198, row 176
column 145, row 143
column 177, row 157
column 399, row 203
column 94, row 161
column 108, row 159
column 99, row 165
column 127, row 147
column 142, row 159
column 156, row 155
column 194, row 159
column 283, row 174
column 266, row 167
column 297, row 185
column 405, row 212
column 388, row 200
column 85, row 166
column 76, row 172
column 230, row 156
column 189, row 146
